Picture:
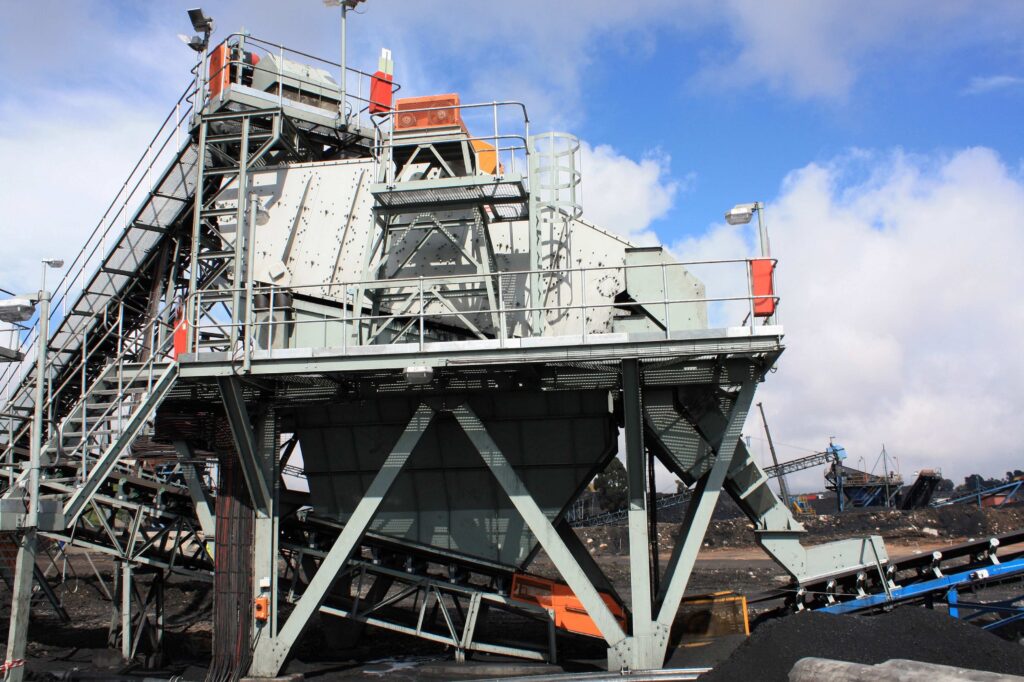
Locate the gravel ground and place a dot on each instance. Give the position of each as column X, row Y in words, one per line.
column 729, row 561
column 894, row 526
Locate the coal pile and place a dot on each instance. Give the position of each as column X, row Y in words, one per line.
column 913, row 633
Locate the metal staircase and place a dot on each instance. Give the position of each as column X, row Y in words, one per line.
column 109, row 428
column 93, row 305
column 86, row 444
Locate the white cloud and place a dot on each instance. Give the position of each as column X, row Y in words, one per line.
column 70, row 159
column 901, row 304
column 623, row 195
column 982, row 84
column 815, row 49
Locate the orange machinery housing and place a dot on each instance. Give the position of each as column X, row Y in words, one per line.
column 442, row 111
column 563, row 603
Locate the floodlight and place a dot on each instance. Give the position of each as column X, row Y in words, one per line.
column 197, row 43
column 419, row 375
column 200, row 21
column 18, row 309
column 740, row 214
column 10, row 355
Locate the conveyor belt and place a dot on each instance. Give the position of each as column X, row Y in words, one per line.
column 977, row 562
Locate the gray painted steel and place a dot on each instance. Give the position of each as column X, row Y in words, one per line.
column 446, row 497
column 318, row 289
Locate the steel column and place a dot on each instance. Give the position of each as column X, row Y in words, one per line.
column 265, row 527
column 644, row 649
column 691, row 533
column 24, row 569
column 245, row 442
column 242, row 229
column 192, row 312
column 271, row 652
column 199, row 495
column 25, row 562
column 126, row 610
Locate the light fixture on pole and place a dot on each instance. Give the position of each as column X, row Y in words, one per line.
column 195, row 42
column 203, row 24
column 345, row 5
column 741, row 214
column 200, row 22
column 26, row 560
column 18, row 309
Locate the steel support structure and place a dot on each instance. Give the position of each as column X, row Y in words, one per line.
column 245, row 443
column 538, row 522
column 200, row 496
column 644, row 649
column 694, row 526
column 271, row 651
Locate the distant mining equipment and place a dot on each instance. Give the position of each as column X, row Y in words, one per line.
column 397, row 305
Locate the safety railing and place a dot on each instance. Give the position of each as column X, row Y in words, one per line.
column 502, row 126
column 286, row 76
column 162, row 150
column 424, row 309
column 138, row 355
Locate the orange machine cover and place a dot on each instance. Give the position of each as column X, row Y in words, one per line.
column 762, row 272
column 556, row 597
column 180, row 337
column 427, row 119
column 220, row 74
column 380, row 93
column 487, row 157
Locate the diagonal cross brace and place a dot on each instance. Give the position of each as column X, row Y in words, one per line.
column 245, row 442
column 271, row 652
column 200, row 497
column 76, row 504
column 539, row 523
column 691, row 533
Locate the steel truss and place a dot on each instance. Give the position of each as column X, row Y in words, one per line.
column 652, row 610
column 379, row 595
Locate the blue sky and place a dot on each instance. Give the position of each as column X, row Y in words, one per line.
column 884, row 136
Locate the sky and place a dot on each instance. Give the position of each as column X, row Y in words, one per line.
column 883, row 136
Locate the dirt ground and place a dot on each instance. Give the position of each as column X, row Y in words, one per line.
column 729, row 560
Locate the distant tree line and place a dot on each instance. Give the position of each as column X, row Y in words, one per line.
column 976, row 482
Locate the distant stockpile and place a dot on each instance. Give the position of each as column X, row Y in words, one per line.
column 943, row 523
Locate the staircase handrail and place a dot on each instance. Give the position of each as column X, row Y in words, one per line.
column 155, row 352
column 97, row 240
